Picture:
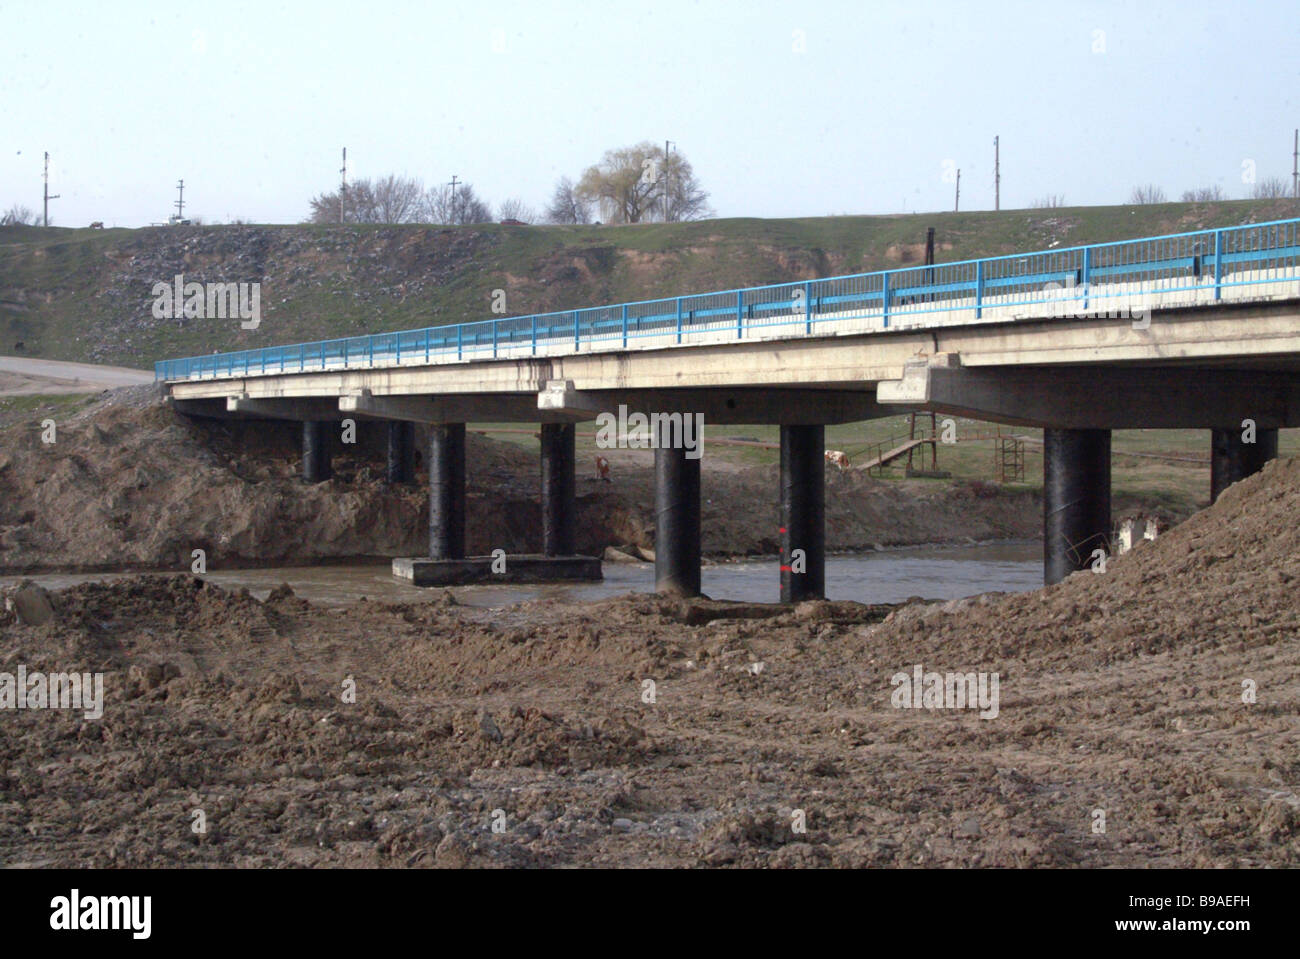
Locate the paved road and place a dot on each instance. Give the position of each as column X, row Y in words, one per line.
column 24, row 376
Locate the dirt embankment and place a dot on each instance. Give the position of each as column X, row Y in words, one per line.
column 127, row 483
column 1147, row 715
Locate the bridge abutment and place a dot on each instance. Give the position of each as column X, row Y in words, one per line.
column 803, row 510
column 677, row 522
column 447, row 491
column 401, row 451
column 558, row 500
column 1076, row 500
column 316, row 466
column 1231, row 459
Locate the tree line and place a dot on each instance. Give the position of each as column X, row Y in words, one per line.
column 637, row 184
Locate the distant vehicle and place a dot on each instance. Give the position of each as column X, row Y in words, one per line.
column 97, row 225
column 174, row 220
column 513, row 223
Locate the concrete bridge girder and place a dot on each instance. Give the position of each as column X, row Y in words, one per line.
column 1102, row 397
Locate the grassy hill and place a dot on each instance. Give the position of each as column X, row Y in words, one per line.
column 86, row 295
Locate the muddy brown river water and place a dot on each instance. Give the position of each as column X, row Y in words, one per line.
column 888, row 576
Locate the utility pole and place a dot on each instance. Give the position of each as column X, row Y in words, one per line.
column 48, row 198
column 956, row 203
column 454, row 217
column 997, row 175
column 180, row 201
column 1295, row 166
column 667, row 145
column 343, row 187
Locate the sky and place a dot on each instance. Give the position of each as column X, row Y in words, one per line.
column 784, row 109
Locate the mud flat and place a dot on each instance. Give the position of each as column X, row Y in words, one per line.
column 1162, row 695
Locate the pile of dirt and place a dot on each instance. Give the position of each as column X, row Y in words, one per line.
column 1146, row 716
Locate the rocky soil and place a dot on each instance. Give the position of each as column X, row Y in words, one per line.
column 1158, row 699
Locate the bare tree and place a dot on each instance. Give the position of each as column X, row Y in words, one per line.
column 18, row 215
column 464, row 206
column 390, row 199
column 516, row 209
column 566, row 206
column 1048, row 202
column 1205, row 194
column 639, row 183
column 1143, row 195
column 1274, row 188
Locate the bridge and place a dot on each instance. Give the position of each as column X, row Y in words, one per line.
column 1191, row 330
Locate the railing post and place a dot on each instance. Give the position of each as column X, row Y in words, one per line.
column 1086, row 275
column 625, row 326
column 494, row 339
column 679, row 319
column 884, row 297
column 1218, row 264
column 427, row 333
column 979, row 289
column 740, row 314
column 534, row 334
column 399, row 350
column 807, row 308
column 460, row 341
column 576, row 338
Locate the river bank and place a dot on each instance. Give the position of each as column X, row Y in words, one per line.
column 1144, row 717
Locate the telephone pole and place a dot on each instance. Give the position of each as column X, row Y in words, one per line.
column 997, row 175
column 667, row 145
column 453, row 199
column 343, row 186
column 1295, row 166
column 48, row 198
column 180, row 200
column 956, row 203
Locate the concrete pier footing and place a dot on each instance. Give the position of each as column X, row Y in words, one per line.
column 803, row 508
column 677, row 523
column 1076, row 500
column 525, row 568
column 1233, row 459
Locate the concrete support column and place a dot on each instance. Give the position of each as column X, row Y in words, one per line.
column 1232, row 460
column 677, row 523
column 1076, row 500
column 447, row 491
column 559, row 506
column 316, row 451
column 401, row 451
column 803, row 511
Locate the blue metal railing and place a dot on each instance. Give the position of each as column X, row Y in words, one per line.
column 1205, row 261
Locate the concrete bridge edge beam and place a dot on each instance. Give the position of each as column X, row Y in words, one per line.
column 1076, row 500
column 677, row 523
column 559, row 502
column 447, row 491
column 803, row 512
